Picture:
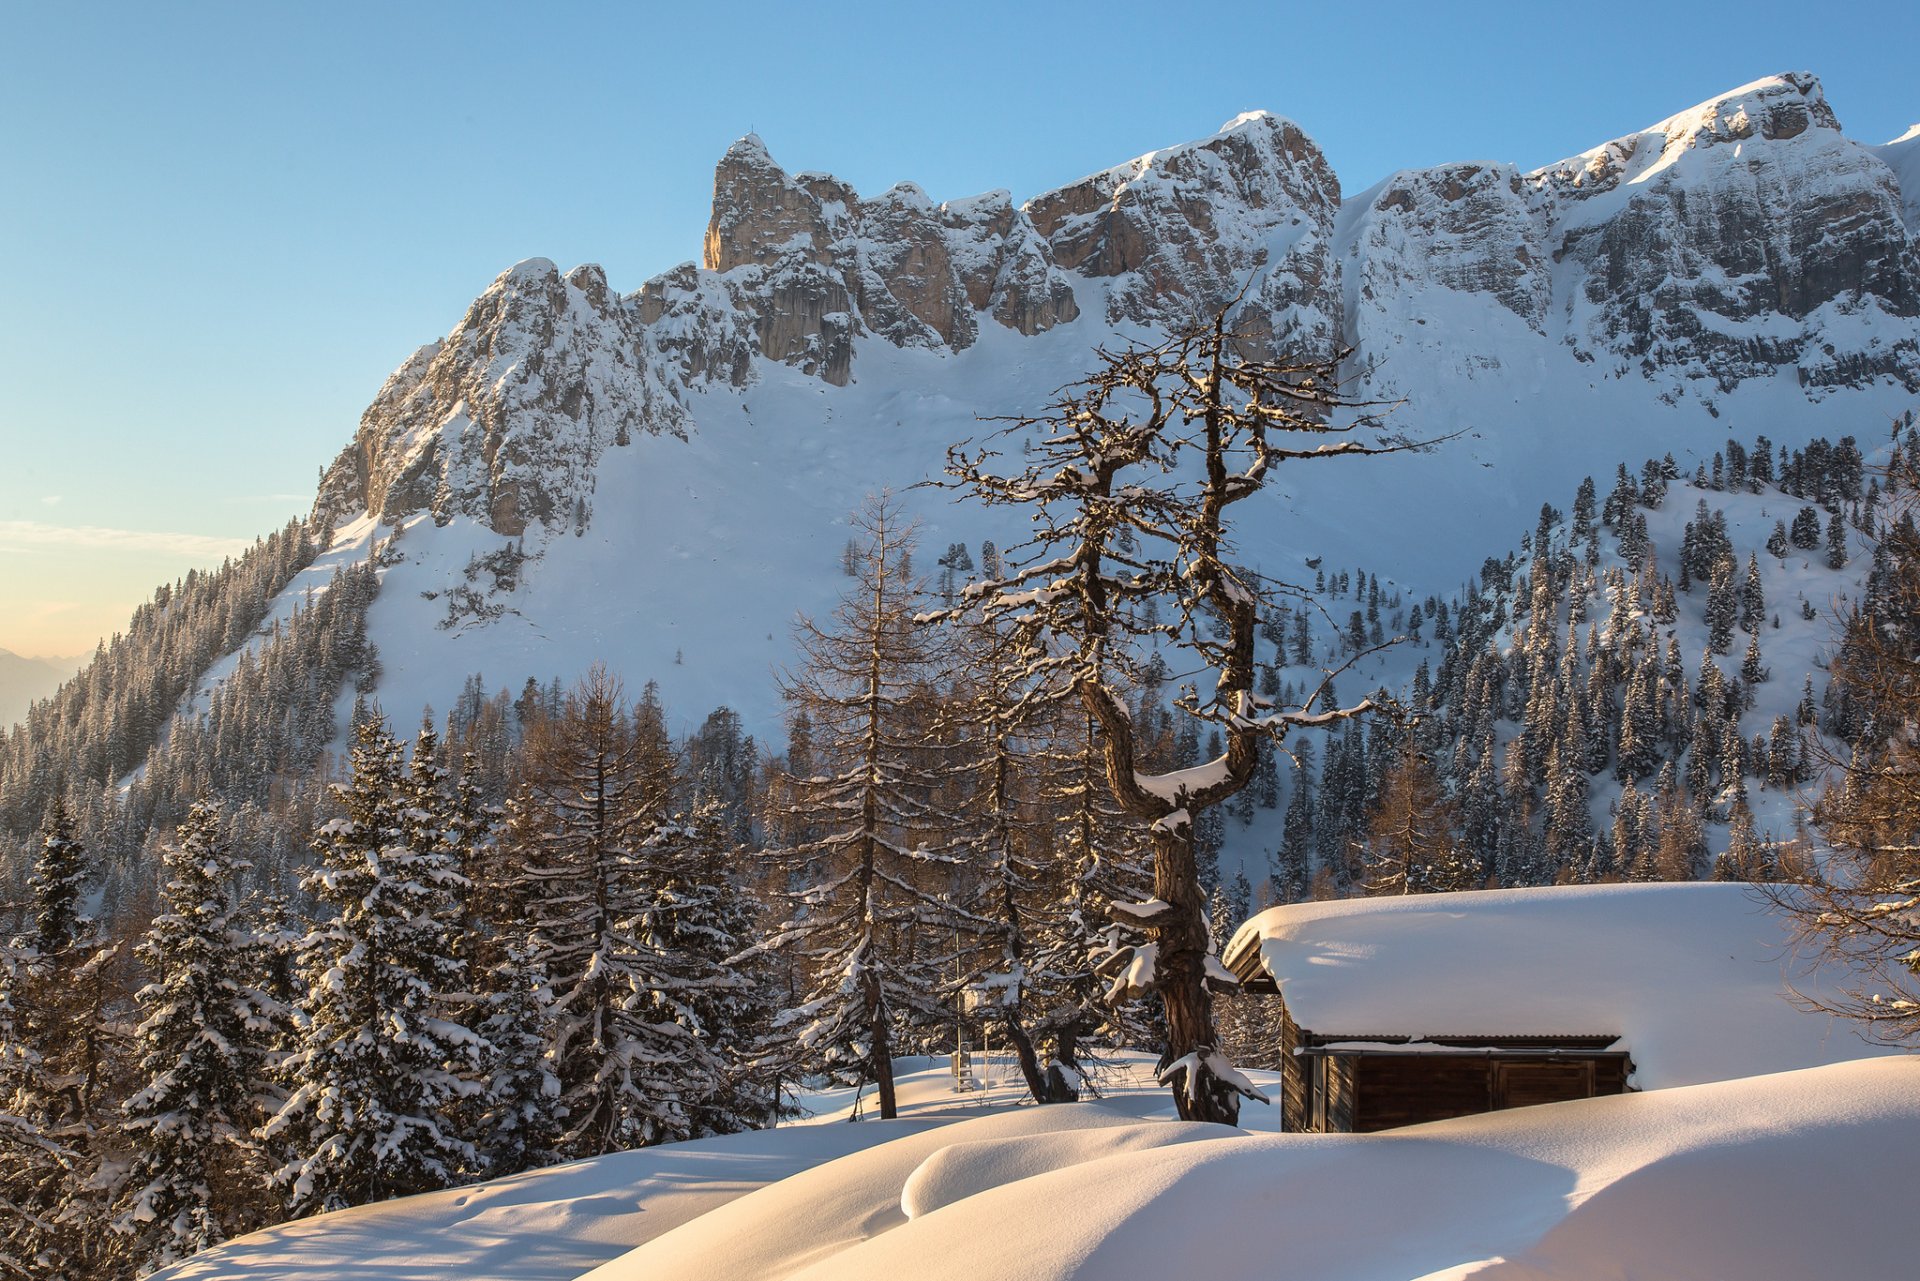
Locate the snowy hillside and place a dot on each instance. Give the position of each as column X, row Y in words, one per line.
column 1759, row 1176
column 660, row 479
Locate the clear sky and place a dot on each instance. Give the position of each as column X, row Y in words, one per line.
column 225, row 224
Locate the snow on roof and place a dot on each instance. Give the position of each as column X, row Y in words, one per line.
column 1691, row 977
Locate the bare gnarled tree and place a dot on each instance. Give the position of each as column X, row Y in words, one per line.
column 1128, row 481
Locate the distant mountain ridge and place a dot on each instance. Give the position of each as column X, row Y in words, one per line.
column 24, row 680
column 1741, row 240
column 659, row 479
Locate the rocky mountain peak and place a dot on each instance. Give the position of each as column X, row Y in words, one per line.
column 1740, row 239
column 1184, row 230
column 1735, row 239
column 504, row 420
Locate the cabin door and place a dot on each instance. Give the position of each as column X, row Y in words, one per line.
column 1519, row 1083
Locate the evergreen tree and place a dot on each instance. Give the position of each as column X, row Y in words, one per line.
column 379, row 1062
column 1753, row 598
column 1722, row 607
column 59, row 877
column 203, row 1050
column 698, row 919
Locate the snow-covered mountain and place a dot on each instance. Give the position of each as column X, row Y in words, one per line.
column 23, row 680
column 659, row 478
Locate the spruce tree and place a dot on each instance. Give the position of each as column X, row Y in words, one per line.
column 379, row 1062
column 58, row 879
column 698, row 919
column 203, row 1046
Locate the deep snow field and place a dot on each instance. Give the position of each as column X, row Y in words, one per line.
column 1792, row 1175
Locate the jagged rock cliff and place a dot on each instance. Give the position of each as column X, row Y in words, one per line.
column 1743, row 240
column 1184, row 231
column 505, row 419
column 1739, row 238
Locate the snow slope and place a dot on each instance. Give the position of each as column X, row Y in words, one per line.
column 554, row 1224
column 545, row 1225
column 677, row 463
column 1790, row 1177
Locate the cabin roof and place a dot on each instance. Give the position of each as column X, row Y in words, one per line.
column 1691, row 978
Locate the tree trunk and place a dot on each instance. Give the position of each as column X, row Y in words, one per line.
column 881, row 1054
column 1029, row 1061
column 1181, row 969
column 1066, row 1058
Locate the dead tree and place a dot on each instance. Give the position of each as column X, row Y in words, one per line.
column 1128, row 481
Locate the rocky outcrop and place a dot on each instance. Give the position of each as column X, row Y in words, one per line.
column 1745, row 236
column 817, row 267
column 505, row 419
column 1246, row 214
column 1468, row 227
column 1744, row 239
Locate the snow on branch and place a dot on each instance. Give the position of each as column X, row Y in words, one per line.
column 1144, row 915
column 1204, row 1064
column 1132, row 971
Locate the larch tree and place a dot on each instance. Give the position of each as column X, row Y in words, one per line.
column 1413, row 843
column 1005, row 830
column 1129, row 485
column 871, row 890
column 598, row 784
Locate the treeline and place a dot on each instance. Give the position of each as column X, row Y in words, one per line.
column 118, row 713
column 1592, row 671
column 553, row 932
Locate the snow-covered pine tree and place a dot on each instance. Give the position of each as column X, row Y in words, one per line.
column 596, row 789
column 1160, row 442
column 870, row 895
column 34, row 1168
column 379, row 1061
column 698, row 919
column 58, row 878
column 64, row 1062
column 203, row 1050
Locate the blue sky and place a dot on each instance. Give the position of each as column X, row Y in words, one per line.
column 225, row 224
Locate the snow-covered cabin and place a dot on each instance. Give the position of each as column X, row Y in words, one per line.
column 1393, row 1011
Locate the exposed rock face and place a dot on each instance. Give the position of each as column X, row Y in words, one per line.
column 506, row 418
column 1741, row 237
column 1470, row 228
column 1185, row 230
column 817, row 267
column 1739, row 240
